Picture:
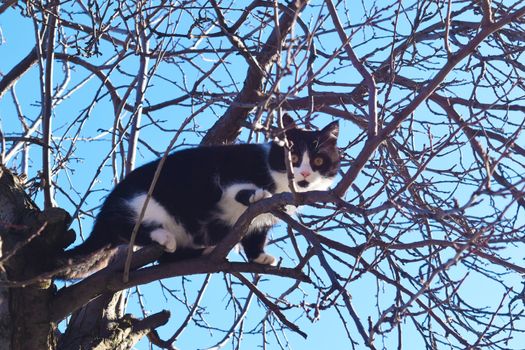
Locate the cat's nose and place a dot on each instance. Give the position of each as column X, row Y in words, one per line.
column 305, row 173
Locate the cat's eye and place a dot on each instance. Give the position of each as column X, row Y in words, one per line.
column 318, row 161
column 295, row 158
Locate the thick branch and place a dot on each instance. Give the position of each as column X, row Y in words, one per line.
column 226, row 129
column 71, row 298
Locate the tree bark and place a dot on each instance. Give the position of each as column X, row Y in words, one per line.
column 30, row 240
column 28, row 237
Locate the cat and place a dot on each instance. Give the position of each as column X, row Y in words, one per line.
column 202, row 191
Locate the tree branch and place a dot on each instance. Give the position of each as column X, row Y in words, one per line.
column 110, row 279
column 372, row 143
column 226, row 129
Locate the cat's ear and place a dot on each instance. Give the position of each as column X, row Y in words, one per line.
column 331, row 131
column 288, row 121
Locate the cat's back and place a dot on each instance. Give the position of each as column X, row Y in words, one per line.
column 197, row 168
column 227, row 163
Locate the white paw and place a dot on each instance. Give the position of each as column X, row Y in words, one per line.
column 259, row 194
column 165, row 238
column 265, row 259
column 208, row 250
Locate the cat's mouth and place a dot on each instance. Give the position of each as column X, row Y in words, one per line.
column 303, row 183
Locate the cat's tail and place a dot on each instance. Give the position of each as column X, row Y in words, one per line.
column 88, row 257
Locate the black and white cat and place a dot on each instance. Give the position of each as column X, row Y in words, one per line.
column 202, row 191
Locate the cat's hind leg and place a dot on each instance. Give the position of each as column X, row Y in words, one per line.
column 165, row 238
column 158, row 225
column 155, row 233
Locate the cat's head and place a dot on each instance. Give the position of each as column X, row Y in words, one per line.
column 314, row 155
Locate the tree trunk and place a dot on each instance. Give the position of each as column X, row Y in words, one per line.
column 29, row 239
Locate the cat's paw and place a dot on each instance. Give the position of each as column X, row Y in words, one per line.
column 265, row 259
column 208, row 250
column 165, row 238
column 259, row 195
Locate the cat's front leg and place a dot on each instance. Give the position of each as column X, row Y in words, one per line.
column 253, row 244
column 265, row 259
column 249, row 196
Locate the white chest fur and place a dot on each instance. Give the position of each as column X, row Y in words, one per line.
column 230, row 209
